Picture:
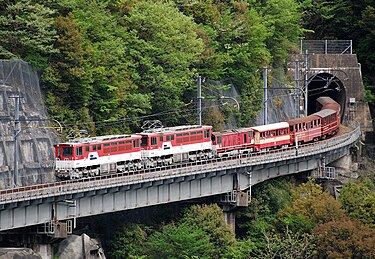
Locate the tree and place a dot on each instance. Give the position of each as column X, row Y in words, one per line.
column 260, row 216
column 358, row 199
column 210, row 219
column 312, row 203
column 286, row 245
column 163, row 52
column 282, row 20
column 27, row 31
column 344, row 239
column 130, row 242
column 180, row 241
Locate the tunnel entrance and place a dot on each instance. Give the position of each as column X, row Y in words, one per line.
column 325, row 84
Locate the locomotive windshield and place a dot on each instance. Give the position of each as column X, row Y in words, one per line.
column 67, row 151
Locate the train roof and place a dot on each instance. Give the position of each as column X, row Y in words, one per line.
column 325, row 100
column 99, row 139
column 175, row 129
column 303, row 119
column 273, row 126
column 232, row 131
column 324, row 113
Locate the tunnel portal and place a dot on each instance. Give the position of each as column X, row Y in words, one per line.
column 325, row 84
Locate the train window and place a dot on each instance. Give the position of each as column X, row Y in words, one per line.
column 136, row 143
column 179, row 135
column 94, row 147
column 161, row 138
column 128, row 142
column 87, row 148
column 206, row 133
column 186, row 134
column 67, row 151
column 114, row 144
column 219, row 140
column 153, row 141
column 79, row 151
column 121, row 142
column 144, row 142
column 193, row 133
column 250, row 135
column 99, row 147
column 168, row 138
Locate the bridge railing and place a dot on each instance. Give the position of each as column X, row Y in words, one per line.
column 180, row 170
column 326, row 46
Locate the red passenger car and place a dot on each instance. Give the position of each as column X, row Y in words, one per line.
column 325, row 102
column 305, row 129
column 232, row 142
column 271, row 136
column 330, row 122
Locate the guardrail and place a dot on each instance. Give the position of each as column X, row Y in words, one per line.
column 327, row 46
column 28, row 193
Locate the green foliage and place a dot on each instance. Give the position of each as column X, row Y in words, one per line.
column 345, row 20
column 164, row 51
column 180, row 241
column 26, row 31
column 261, row 215
column 282, row 20
column 210, row 219
column 129, row 242
column 367, row 42
column 358, row 199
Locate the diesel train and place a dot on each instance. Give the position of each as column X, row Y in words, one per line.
column 87, row 157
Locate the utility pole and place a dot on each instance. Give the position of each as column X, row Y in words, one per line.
column 17, row 130
column 306, row 84
column 265, row 97
column 297, row 88
column 199, row 100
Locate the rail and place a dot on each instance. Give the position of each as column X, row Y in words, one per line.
column 27, row 193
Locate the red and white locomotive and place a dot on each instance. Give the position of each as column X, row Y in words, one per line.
column 164, row 146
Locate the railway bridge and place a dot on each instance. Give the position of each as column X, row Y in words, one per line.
column 54, row 207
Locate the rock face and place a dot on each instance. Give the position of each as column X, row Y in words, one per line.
column 19, row 253
column 77, row 247
column 36, row 138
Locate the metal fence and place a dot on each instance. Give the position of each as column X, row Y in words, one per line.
column 84, row 185
column 326, row 46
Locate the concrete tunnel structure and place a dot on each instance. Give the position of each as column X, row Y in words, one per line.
column 338, row 76
column 325, row 84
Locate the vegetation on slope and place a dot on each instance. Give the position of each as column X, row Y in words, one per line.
column 106, row 66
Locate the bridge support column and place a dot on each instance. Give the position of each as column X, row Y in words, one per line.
column 230, row 219
column 347, row 167
column 230, row 202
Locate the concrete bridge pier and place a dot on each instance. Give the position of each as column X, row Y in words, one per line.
column 347, row 166
column 231, row 201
